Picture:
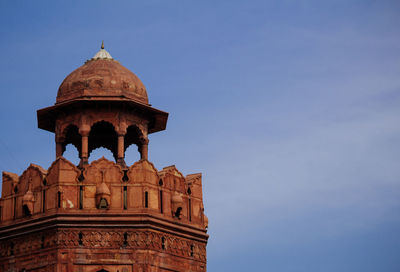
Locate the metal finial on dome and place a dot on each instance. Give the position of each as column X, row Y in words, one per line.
column 102, row 54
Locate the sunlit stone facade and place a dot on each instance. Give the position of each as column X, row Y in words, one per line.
column 106, row 215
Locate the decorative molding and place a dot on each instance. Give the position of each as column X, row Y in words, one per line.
column 104, row 239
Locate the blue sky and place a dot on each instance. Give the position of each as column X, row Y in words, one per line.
column 290, row 109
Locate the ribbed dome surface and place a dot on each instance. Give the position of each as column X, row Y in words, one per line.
column 102, row 189
column 102, row 78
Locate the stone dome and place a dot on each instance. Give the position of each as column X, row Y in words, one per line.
column 102, row 189
column 28, row 196
column 177, row 199
column 102, row 77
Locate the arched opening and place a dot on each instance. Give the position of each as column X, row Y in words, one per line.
column 101, row 152
column 103, row 204
column 178, row 212
column 71, row 153
column 131, row 154
column 102, row 270
column 26, row 210
column 132, row 142
column 102, row 134
column 73, row 137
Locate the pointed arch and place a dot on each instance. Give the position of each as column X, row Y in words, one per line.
column 143, row 171
column 10, row 181
column 103, row 134
column 34, row 172
column 71, row 136
column 134, row 135
column 112, row 172
column 62, row 167
column 100, row 152
column 71, row 153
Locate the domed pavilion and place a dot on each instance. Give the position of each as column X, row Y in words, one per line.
column 105, row 215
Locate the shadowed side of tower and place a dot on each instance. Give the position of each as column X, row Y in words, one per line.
column 106, row 215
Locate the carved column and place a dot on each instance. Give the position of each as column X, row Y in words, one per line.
column 85, row 148
column 121, row 147
column 144, row 149
column 59, row 146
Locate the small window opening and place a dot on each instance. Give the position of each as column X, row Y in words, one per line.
column 42, row 242
column 191, row 250
column 80, row 237
column 161, row 202
column 178, row 212
column 160, row 182
column 1, row 212
column 81, row 197
column 59, row 199
column 44, row 181
column 189, row 191
column 125, row 239
column 44, row 200
column 146, row 199
column 103, row 204
column 125, row 197
column 163, row 242
column 190, row 209
column 26, row 210
column 15, row 189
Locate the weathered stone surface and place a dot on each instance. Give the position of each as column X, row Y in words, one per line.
column 102, row 78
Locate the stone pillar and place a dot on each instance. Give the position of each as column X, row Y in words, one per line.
column 59, row 146
column 144, row 149
column 85, row 149
column 121, row 149
column 59, row 149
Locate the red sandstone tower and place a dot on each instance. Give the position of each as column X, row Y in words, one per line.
column 102, row 216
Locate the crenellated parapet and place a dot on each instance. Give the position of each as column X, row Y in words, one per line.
column 102, row 187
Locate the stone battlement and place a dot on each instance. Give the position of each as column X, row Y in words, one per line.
column 102, row 187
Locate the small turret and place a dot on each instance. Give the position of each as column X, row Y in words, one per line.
column 28, row 200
